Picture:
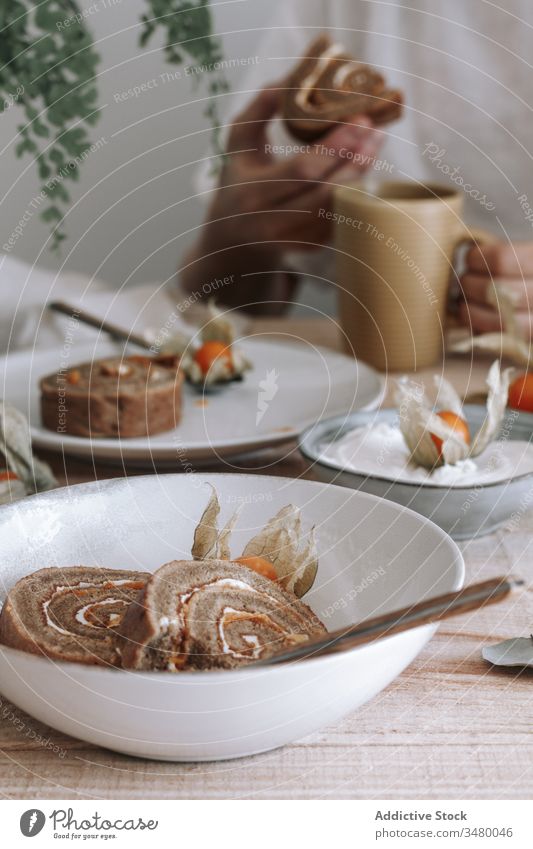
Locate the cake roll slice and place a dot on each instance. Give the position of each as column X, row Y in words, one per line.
column 70, row 613
column 329, row 86
column 211, row 614
column 115, row 397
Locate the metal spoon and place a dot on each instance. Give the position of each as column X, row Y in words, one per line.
column 423, row 613
column 116, row 332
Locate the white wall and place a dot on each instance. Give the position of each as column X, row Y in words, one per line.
column 130, row 209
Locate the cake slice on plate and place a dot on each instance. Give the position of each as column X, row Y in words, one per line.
column 121, row 397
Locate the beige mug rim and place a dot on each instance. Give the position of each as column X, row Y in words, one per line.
column 369, row 197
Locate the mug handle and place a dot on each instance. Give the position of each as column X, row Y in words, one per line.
column 472, row 235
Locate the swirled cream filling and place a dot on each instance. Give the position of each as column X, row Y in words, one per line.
column 343, row 72
column 84, row 585
column 114, row 619
column 310, row 81
column 231, row 615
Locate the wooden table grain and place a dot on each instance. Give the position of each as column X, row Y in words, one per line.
column 449, row 727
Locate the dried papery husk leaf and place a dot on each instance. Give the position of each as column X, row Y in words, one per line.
column 510, row 343
column 220, row 371
column 240, row 362
column 177, row 343
column 223, row 540
column 209, row 543
column 413, row 420
column 280, row 543
column 15, row 447
column 304, row 575
column 453, row 448
column 446, row 398
column 505, row 304
column 418, row 423
column 498, row 384
column 11, row 490
column 219, row 327
column 501, row 344
column 206, row 532
column 192, row 369
column 274, row 540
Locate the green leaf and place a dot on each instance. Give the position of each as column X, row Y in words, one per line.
column 93, row 118
column 56, row 115
column 56, row 156
column 58, row 190
column 51, row 214
column 22, row 148
column 46, row 19
column 31, row 112
column 43, row 169
column 74, row 141
column 40, row 129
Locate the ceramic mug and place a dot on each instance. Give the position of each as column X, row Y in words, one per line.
column 394, row 253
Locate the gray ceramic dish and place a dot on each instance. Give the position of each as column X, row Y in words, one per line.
column 462, row 511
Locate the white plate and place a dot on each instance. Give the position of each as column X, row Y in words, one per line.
column 374, row 556
column 304, row 384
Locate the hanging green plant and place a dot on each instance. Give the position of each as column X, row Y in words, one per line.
column 189, row 35
column 48, row 67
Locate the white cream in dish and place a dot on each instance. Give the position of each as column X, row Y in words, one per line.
column 379, row 450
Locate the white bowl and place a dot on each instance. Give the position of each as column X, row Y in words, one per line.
column 464, row 511
column 374, row 556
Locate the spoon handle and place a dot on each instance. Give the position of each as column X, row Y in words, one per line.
column 423, row 613
column 118, row 333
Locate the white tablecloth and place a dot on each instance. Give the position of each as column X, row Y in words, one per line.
column 25, row 322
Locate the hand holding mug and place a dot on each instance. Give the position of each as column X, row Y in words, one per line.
column 507, row 265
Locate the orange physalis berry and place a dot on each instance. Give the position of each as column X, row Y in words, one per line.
column 211, row 351
column 8, row 476
column 73, row 376
column 458, row 425
column 521, row 393
column 260, row 565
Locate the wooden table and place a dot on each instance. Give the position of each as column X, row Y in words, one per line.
column 449, row 727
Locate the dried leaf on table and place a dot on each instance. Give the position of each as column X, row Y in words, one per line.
column 15, row 448
column 517, row 652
